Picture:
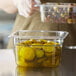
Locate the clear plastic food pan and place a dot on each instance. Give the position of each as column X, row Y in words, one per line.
column 58, row 12
column 38, row 48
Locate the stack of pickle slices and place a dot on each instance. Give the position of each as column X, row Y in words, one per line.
column 38, row 53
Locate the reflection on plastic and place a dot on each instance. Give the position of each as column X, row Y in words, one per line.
column 20, row 71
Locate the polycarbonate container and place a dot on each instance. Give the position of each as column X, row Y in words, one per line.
column 58, row 13
column 38, row 48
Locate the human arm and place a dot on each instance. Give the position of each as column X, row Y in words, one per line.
column 26, row 7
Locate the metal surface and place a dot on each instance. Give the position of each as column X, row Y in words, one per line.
column 8, row 66
column 70, row 47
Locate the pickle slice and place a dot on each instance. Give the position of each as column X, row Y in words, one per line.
column 27, row 42
column 27, row 53
column 39, row 53
column 37, row 45
column 33, row 41
column 42, row 41
column 25, row 64
column 49, row 48
column 41, row 60
column 18, row 48
column 52, row 43
column 47, row 63
column 49, row 54
column 21, row 62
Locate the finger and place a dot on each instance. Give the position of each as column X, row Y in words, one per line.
column 33, row 3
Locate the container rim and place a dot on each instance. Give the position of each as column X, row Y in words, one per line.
column 56, row 5
column 42, row 31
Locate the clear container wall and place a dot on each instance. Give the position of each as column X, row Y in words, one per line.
column 38, row 48
column 58, row 13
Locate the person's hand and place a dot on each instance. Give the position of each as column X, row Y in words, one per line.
column 26, row 7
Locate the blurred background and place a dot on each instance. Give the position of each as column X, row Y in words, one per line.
column 6, row 25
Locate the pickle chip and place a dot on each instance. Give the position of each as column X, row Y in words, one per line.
column 33, row 41
column 27, row 53
column 18, row 48
column 25, row 64
column 39, row 53
column 21, row 62
column 49, row 54
column 47, row 63
column 37, row 45
column 52, row 43
column 42, row 41
column 41, row 60
column 27, row 42
column 49, row 48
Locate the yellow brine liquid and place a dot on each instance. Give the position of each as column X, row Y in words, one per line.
column 38, row 53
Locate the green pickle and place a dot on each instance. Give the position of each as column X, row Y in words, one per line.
column 27, row 53
column 38, row 53
column 37, row 45
column 49, row 48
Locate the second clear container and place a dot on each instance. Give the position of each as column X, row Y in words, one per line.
column 58, row 12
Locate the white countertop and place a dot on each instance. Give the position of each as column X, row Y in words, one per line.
column 7, row 60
